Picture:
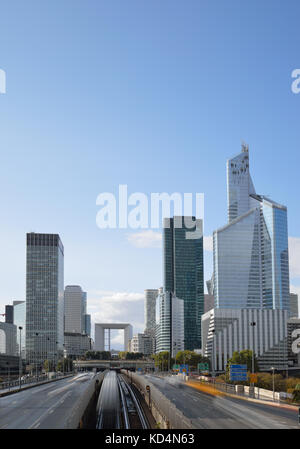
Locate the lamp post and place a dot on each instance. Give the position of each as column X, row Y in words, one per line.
column 273, row 369
column 252, row 324
column 36, row 362
column 20, row 360
column 213, row 353
column 8, row 375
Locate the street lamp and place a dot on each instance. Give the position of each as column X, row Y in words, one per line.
column 213, row 353
column 273, row 369
column 20, row 360
column 252, row 324
column 36, row 361
column 8, row 375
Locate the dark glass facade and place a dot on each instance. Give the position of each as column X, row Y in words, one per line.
column 183, row 274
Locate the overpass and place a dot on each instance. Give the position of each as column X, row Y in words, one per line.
column 145, row 365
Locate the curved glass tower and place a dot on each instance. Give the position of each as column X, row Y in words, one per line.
column 251, row 266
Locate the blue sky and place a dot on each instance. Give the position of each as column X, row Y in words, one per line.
column 156, row 95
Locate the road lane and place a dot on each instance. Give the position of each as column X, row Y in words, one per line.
column 221, row 412
column 43, row 407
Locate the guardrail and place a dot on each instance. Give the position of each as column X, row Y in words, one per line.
column 246, row 391
column 14, row 384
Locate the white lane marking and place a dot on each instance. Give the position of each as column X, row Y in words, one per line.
column 3, row 427
column 37, row 425
column 49, row 410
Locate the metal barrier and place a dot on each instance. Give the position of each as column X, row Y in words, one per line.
column 14, row 384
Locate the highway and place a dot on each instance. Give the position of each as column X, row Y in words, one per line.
column 223, row 412
column 43, row 407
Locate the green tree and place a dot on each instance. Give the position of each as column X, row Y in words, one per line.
column 161, row 360
column 134, row 355
column 65, row 365
column 47, row 364
column 190, row 358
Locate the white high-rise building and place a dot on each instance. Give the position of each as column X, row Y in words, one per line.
column 170, row 323
column 75, row 309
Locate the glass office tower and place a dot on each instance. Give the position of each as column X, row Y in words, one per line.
column 44, row 298
column 251, row 266
column 183, row 272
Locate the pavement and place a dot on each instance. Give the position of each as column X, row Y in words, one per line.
column 46, row 406
column 221, row 412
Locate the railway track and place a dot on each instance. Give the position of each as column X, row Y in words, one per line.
column 118, row 406
column 134, row 417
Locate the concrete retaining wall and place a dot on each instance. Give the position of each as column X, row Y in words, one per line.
column 165, row 413
column 81, row 410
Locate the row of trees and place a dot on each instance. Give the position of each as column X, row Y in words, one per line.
column 164, row 362
column 125, row 355
column 96, row 355
column 64, row 365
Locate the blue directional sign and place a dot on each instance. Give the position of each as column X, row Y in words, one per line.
column 184, row 369
column 238, row 372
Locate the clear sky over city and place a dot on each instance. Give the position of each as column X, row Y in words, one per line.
column 153, row 94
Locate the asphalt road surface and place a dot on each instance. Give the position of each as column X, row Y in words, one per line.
column 216, row 412
column 43, row 407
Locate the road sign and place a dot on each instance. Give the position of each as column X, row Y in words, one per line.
column 184, row 369
column 253, row 378
column 203, row 366
column 238, row 372
column 238, row 367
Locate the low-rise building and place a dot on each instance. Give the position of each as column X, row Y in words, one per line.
column 76, row 344
column 227, row 330
column 142, row 343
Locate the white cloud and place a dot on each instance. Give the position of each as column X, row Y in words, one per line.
column 145, row 239
column 294, row 257
column 117, row 307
